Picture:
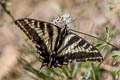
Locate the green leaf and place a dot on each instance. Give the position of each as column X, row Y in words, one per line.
column 116, row 53
column 113, row 33
column 57, row 72
column 75, row 70
column 66, row 71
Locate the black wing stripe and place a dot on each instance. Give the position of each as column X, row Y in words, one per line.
column 42, row 27
column 50, row 33
column 35, row 24
column 69, row 40
column 57, row 41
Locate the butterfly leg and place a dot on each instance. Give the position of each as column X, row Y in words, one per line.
column 43, row 64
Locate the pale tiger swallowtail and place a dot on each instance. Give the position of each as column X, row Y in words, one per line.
column 57, row 46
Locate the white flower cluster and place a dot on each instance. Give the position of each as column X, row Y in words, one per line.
column 65, row 19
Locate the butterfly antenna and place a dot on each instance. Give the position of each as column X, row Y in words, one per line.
column 41, row 67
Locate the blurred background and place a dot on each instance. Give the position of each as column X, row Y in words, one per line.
column 18, row 58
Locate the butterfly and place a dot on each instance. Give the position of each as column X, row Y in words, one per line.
column 56, row 45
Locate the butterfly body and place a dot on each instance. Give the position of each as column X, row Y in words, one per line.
column 57, row 46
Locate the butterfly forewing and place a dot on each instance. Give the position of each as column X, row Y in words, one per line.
column 76, row 48
column 39, row 31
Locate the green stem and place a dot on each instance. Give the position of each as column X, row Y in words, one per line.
column 3, row 3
